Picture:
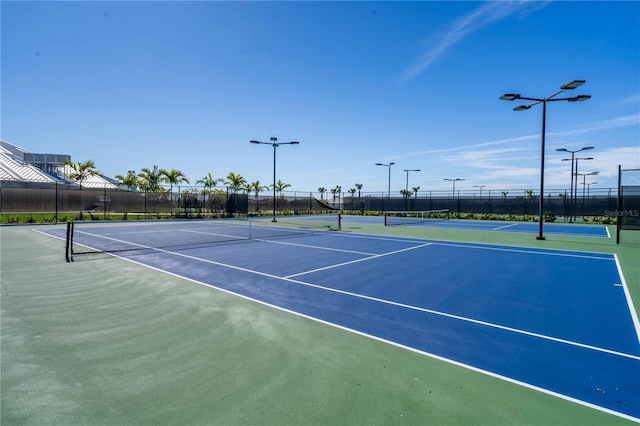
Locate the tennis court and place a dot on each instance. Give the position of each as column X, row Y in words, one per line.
column 557, row 321
column 570, row 229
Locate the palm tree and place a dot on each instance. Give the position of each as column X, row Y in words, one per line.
column 352, row 191
column 280, row 186
column 81, row 171
column 415, row 191
column 256, row 188
column 172, row 177
column 208, row 182
column 322, row 190
column 359, row 188
column 335, row 191
column 235, row 181
column 150, row 179
column 130, row 180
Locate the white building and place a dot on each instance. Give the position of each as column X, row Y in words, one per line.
column 19, row 167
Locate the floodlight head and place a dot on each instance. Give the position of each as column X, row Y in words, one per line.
column 586, row 148
column 254, row 142
column 274, row 139
column 566, row 159
column 579, row 98
column 510, row 96
column 391, row 164
column 379, row 164
column 572, row 84
column 294, row 142
column 562, row 150
column 522, row 107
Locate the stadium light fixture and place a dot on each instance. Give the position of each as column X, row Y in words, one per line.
column 389, row 181
column 510, row 97
column 480, row 186
column 573, row 194
column 406, row 185
column 576, row 182
column 454, row 184
column 274, row 142
column 584, row 182
column 572, row 84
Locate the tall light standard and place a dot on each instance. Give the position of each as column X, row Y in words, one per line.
column 274, row 143
column 389, row 181
column 513, row 96
column 454, row 191
column 406, row 188
column 571, row 190
column 588, row 184
column 479, row 186
column 454, row 184
column 584, row 183
column 406, row 185
column 575, row 195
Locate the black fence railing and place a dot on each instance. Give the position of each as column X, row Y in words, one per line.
column 181, row 201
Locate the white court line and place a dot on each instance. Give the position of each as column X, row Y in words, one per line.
column 314, row 247
column 375, row 256
column 632, row 310
column 481, row 246
column 505, row 226
column 432, row 355
column 396, row 344
column 597, row 256
column 403, row 305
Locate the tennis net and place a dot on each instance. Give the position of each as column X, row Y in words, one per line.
column 93, row 237
column 408, row 218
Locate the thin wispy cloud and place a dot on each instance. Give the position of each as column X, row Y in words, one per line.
column 624, row 121
column 486, row 14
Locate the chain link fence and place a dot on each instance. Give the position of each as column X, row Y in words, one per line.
column 63, row 201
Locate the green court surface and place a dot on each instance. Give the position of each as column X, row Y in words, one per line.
column 104, row 341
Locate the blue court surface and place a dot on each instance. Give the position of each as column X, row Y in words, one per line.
column 491, row 225
column 560, row 322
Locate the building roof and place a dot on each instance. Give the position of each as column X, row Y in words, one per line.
column 14, row 168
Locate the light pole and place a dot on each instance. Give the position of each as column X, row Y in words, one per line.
column 480, row 186
column 454, row 184
column 589, row 189
column 406, row 185
column 584, row 183
column 571, row 195
column 454, row 191
column 274, row 143
column 575, row 195
column 513, row 96
column 389, row 181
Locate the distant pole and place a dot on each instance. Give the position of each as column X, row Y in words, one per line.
column 275, row 144
column 389, row 180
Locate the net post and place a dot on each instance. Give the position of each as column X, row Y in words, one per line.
column 68, row 242
column 385, row 218
column 619, row 207
column 340, row 221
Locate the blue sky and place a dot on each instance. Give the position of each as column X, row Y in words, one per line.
column 187, row 85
